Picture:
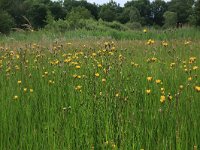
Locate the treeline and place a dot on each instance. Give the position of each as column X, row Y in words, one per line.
column 36, row 14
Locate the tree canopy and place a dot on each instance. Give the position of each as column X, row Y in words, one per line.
column 144, row 12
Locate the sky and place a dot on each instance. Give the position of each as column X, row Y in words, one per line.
column 121, row 2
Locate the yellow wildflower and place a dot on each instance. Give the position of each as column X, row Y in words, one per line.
column 197, row 88
column 103, row 80
column 158, row 81
column 15, row 97
column 117, row 94
column 195, row 68
column 97, row 74
column 169, row 96
column 149, row 78
column 148, row 91
column 78, row 87
column 165, row 44
column 99, row 65
column 145, row 30
column 78, row 67
column 25, row 89
column 181, row 87
column 94, row 54
column 162, row 99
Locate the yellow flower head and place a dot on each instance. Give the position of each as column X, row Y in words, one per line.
column 169, row 97
column 181, row 87
column 165, row 44
column 192, row 60
column 117, row 94
column 94, row 54
column 78, row 87
column 78, row 67
column 195, row 68
column 158, row 81
column 150, row 42
column 97, row 74
column 162, row 99
column 15, row 97
column 145, row 30
column 149, row 78
column 148, row 91
column 25, row 89
column 197, row 88
column 19, row 82
column 103, row 80
column 187, row 42
column 99, row 65
column 190, row 79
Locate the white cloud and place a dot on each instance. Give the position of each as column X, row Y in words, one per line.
column 121, row 2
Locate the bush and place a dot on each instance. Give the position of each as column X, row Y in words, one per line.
column 115, row 25
column 134, row 25
column 170, row 19
column 58, row 26
column 6, row 22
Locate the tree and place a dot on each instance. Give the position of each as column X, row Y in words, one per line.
column 183, row 8
column 57, row 10
column 110, row 11
column 70, row 4
column 130, row 14
column 197, row 13
column 143, row 6
column 6, row 22
column 158, row 8
column 170, row 19
column 134, row 15
column 37, row 15
column 16, row 9
column 77, row 16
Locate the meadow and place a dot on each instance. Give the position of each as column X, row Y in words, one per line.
column 87, row 90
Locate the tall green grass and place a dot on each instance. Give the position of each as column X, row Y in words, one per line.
column 168, row 34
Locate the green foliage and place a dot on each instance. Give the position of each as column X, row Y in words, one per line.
column 57, row 10
column 49, row 18
column 158, row 8
column 183, row 8
column 6, row 22
column 143, row 6
column 197, row 13
column 109, row 12
column 58, row 26
column 70, row 4
column 77, row 16
column 144, row 12
column 170, row 19
column 134, row 15
column 37, row 15
column 134, row 25
column 115, row 25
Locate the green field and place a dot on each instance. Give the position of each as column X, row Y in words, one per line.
column 91, row 90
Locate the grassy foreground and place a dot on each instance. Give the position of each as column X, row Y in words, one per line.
column 100, row 93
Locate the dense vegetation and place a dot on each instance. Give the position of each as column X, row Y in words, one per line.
column 71, row 14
